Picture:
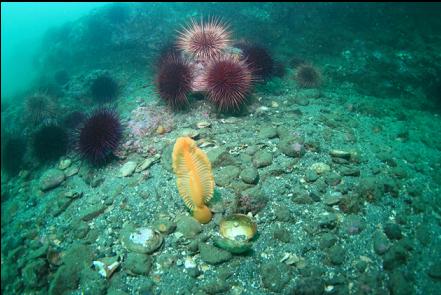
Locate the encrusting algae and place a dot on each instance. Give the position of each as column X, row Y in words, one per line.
column 195, row 179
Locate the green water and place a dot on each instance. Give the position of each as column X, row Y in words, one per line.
column 318, row 122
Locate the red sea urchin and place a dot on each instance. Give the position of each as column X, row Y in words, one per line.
column 99, row 136
column 228, row 81
column 173, row 81
column 204, row 40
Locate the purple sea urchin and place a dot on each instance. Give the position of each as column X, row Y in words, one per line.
column 104, row 89
column 99, row 136
column 307, row 76
column 174, row 80
column 40, row 108
column 259, row 59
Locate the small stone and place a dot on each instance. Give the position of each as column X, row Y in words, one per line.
column 203, row 124
column 213, row 255
column 71, row 171
column 336, row 254
column 250, row 175
column 51, row 179
column 332, row 179
column 188, row 226
column 128, row 168
column 282, row 234
column 165, row 226
column 311, row 175
column 268, row 132
column 64, row 164
column 161, row 130
column 226, row 175
column 147, row 163
column 397, row 255
column 333, row 198
column 381, row 243
column 216, row 286
column 320, row 168
column 282, row 213
column 138, row 264
column 291, row 147
column 340, row 154
column 188, row 132
column 327, row 240
column 393, row 231
column 328, row 220
column 262, row 159
column 92, row 211
column 435, row 271
column 275, row 276
column 219, row 157
column 350, row 171
column 353, row 225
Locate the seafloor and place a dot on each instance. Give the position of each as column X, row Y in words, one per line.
column 355, row 210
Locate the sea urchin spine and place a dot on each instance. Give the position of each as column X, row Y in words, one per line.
column 99, row 136
column 228, row 81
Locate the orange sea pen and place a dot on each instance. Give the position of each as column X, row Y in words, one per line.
column 194, row 177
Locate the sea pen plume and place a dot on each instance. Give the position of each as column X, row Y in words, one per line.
column 194, row 177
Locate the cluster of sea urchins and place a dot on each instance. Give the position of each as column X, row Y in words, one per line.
column 204, row 60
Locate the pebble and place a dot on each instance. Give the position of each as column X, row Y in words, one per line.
column 291, row 148
column 340, row 154
column 392, row 231
column 320, row 168
column 147, row 163
column 380, row 242
column 128, row 168
column 64, row 164
column 188, row 226
column 350, row 171
column 336, row 254
column 262, row 159
column 333, row 198
column 311, row 175
column 275, row 276
column 353, row 225
column 435, row 271
column 71, row 171
column 138, row 264
column 188, row 132
column 92, row 211
column 213, row 255
column 268, row 132
column 224, row 176
column 203, row 124
column 51, row 179
column 328, row 220
column 250, row 175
